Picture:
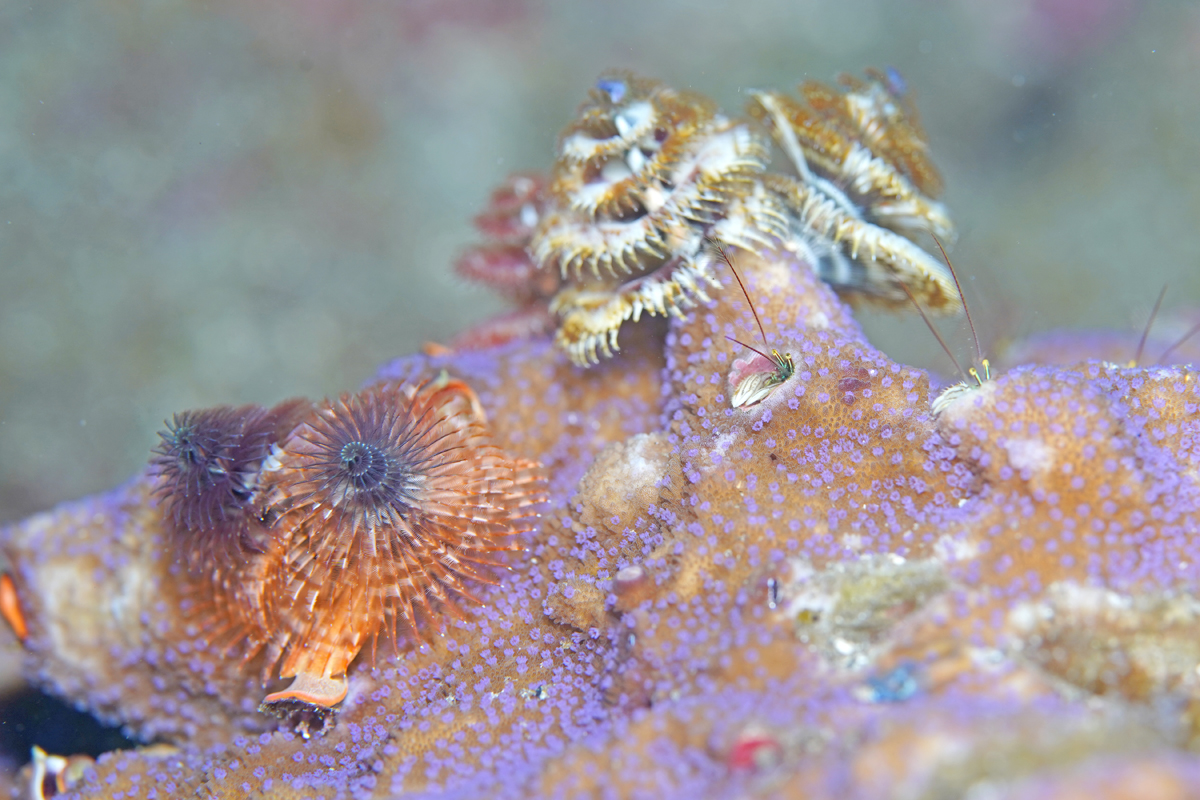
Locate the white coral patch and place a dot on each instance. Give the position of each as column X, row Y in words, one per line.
column 951, row 548
column 714, row 458
column 1072, row 599
column 644, row 459
column 806, row 594
column 1032, row 455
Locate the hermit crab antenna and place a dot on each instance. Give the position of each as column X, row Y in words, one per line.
column 1137, row 356
column 725, row 257
column 961, row 296
column 749, row 347
column 1191, row 332
column 935, row 333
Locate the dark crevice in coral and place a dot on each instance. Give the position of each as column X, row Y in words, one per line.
column 30, row 717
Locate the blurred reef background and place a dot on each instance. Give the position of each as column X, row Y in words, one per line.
column 221, row 202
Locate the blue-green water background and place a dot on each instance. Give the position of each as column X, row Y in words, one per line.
column 224, row 202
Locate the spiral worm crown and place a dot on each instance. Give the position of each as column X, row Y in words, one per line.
column 389, row 505
column 648, row 179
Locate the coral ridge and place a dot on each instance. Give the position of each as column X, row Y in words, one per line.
column 688, row 579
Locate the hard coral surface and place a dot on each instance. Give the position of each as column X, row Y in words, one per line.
column 830, row 593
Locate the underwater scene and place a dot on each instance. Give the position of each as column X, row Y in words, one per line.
column 524, row 399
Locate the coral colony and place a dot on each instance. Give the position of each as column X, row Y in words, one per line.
column 524, row 564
